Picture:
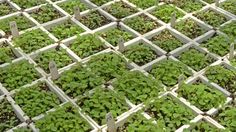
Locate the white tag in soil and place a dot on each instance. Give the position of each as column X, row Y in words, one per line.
column 14, row 29
column 2, row 33
column 231, row 53
column 181, row 80
column 53, row 70
column 77, row 13
column 121, row 44
column 110, row 123
column 173, row 19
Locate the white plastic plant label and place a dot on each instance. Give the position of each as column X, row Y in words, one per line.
column 14, row 29
column 53, row 70
column 77, row 13
column 231, row 53
column 110, row 123
column 2, row 33
column 121, row 44
column 173, row 19
column 181, row 80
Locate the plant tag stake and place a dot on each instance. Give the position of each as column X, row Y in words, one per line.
column 217, row 2
column 14, row 29
column 231, row 53
column 77, row 13
column 110, row 123
column 121, row 44
column 181, row 80
column 173, row 19
column 53, row 70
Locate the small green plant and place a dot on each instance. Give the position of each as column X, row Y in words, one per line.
column 197, row 61
column 225, row 78
column 202, row 96
column 108, row 65
column 101, row 102
column 227, row 116
column 218, row 44
column 66, row 30
column 5, row 9
column 164, row 12
column 210, row 1
column 143, row 3
column 113, row 35
column 229, row 29
column 140, row 54
column 94, row 20
column 70, row 5
column 22, row 129
column 211, row 17
column 169, row 71
column 87, row 45
column 141, row 23
column 188, row 5
column 169, row 114
column 166, row 41
column 22, row 23
column 17, row 75
column 137, row 87
column 233, row 62
column 78, row 80
column 32, row 40
column 202, row 126
column 138, row 123
column 190, row 28
column 45, row 14
column 28, row 3
column 36, row 99
column 100, row 2
column 60, row 57
column 120, row 10
column 8, row 118
column 6, row 53
column 64, row 119
column 229, row 5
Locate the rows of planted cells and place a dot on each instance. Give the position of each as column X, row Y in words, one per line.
column 117, row 65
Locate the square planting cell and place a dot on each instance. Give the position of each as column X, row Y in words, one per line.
column 188, row 5
column 45, row 14
column 8, row 118
column 65, row 119
column 202, row 125
column 6, row 8
column 217, row 44
column 18, row 74
column 169, row 114
column 59, row 56
column 143, row 3
column 113, row 35
column 120, row 10
column 87, row 45
column 137, row 87
column 6, row 53
column 209, row 1
column 141, row 23
column 101, row 102
column 211, row 17
column 168, row 71
column 65, row 30
column 22, row 22
column 70, row 5
column 100, row 2
column 229, row 5
column 32, row 40
column 140, row 53
column 164, row 12
column 201, row 95
column 198, row 59
column 190, row 28
column 36, row 99
column 94, row 19
column 229, row 29
column 137, row 122
column 166, row 41
column 226, row 78
column 24, row 4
